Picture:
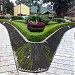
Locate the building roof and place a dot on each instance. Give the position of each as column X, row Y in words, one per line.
column 33, row 9
column 43, row 10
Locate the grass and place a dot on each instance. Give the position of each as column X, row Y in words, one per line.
column 21, row 21
column 52, row 23
column 38, row 36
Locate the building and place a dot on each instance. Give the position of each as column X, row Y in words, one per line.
column 43, row 11
column 71, row 14
column 32, row 11
column 22, row 10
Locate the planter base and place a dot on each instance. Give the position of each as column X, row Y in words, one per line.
column 35, row 29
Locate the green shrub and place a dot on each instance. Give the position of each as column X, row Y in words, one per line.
column 38, row 36
column 43, row 18
column 59, row 20
column 52, row 23
column 40, row 18
column 21, row 21
column 17, row 18
column 31, row 18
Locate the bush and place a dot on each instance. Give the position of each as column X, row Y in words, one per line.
column 17, row 18
column 52, row 22
column 21, row 21
column 31, row 18
column 40, row 18
column 59, row 20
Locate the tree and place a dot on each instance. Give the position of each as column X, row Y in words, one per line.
column 61, row 7
column 9, row 7
column 26, row 2
column 45, row 1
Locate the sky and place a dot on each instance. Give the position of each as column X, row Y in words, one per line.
column 13, row 1
column 44, row 5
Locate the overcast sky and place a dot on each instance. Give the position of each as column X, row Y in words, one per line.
column 44, row 5
column 13, row 1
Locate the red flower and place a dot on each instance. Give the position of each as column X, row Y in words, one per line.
column 38, row 25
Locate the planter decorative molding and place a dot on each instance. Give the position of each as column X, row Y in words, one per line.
column 31, row 29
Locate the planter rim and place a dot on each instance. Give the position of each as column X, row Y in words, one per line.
column 36, row 27
column 32, row 29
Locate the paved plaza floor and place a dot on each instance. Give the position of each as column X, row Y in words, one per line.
column 63, row 62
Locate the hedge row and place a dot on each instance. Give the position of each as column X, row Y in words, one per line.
column 21, row 21
column 52, row 23
column 17, row 18
column 38, row 36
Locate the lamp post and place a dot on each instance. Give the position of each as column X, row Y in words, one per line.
column 39, row 3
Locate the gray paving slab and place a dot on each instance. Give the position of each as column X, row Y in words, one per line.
column 7, row 62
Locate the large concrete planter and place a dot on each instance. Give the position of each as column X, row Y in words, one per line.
column 34, row 57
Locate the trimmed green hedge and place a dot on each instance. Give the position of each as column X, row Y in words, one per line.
column 17, row 18
column 59, row 20
column 38, row 36
column 21, row 21
column 52, row 23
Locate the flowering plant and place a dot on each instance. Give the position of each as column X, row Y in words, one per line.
column 36, row 25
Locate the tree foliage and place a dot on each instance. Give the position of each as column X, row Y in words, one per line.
column 61, row 7
column 26, row 2
column 9, row 7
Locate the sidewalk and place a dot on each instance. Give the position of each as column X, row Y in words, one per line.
column 7, row 63
column 62, row 64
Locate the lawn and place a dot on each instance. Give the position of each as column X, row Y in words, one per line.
column 21, row 21
column 37, row 36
